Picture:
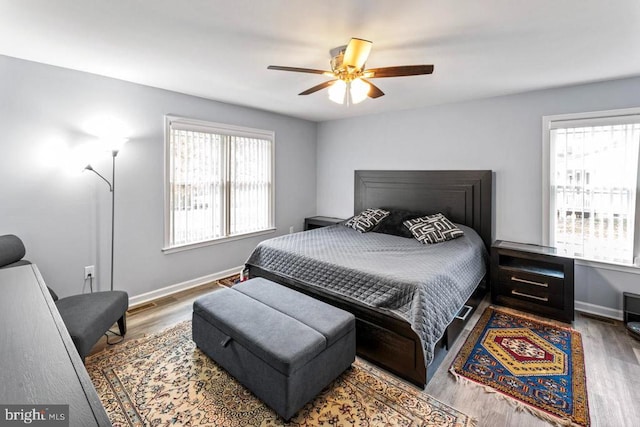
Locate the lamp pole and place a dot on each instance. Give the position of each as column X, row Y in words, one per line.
column 114, row 153
column 112, row 190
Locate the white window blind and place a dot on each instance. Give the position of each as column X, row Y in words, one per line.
column 593, row 178
column 219, row 181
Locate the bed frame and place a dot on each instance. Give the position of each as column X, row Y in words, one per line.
column 383, row 338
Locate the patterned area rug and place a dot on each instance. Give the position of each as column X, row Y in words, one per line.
column 230, row 281
column 538, row 365
column 164, row 380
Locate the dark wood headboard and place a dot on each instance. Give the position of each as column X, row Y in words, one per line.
column 462, row 196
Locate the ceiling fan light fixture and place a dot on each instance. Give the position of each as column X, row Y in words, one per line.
column 359, row 90
column 353, row 92
column 350, row 84
column 337, row 91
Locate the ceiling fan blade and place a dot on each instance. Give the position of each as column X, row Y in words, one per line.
column 357, row 53
column 375, row 91
column 299, row 70
column 401, row 71
column 317, row 88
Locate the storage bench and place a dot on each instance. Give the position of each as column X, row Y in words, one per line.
column 282, row 345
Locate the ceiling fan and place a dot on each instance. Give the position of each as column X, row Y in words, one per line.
column 350, row 84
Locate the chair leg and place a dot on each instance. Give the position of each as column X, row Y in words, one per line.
column 122, row 324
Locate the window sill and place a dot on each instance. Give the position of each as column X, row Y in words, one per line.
column 187, row 247
column 624, row 268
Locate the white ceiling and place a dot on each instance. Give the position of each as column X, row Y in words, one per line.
column 221, row 49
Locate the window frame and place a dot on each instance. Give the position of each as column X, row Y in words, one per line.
column 588, row 118
column 224, row 129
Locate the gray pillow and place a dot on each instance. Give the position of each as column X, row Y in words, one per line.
column 433, row 229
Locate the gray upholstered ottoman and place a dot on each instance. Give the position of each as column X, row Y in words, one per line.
column 282, row 345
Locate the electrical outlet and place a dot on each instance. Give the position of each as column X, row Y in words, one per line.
column 291, row 230
column 89, row 271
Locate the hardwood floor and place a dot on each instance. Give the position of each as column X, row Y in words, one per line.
column 164, row 313
column 612, row 360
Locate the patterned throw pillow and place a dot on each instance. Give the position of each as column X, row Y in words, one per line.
column 433, row 229
column 367, row 219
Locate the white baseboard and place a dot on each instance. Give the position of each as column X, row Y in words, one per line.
column 599, row 310
column 178, row 287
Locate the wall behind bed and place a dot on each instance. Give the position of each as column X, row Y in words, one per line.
column 503, row 134
column 64, row 219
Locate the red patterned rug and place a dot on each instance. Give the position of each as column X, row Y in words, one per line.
column 539, row 366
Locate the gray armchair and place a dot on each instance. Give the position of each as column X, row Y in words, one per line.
column 86, row 316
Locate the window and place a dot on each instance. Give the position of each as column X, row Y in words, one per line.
column 218, row 182
column 591, row 183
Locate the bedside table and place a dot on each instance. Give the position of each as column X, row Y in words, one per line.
column 320, row 221
column 532, row 278
column 631, row 313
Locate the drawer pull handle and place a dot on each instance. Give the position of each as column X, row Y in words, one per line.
column 529, row 282
column 464, row 316
column 530, row 296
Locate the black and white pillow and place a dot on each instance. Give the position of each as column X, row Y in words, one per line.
column 433, row 229
column 367, row 219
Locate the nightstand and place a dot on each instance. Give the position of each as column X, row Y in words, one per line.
column 631, row 310
column 532, row 278
column 320, row 221
column 631, row 307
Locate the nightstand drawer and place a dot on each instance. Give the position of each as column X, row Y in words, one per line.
column 530, row 281
column 534, row 294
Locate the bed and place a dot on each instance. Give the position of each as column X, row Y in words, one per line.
column 410, row 300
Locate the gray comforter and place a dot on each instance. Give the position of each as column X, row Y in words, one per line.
column 426, row 285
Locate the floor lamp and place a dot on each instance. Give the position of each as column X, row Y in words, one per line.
column 112, row 189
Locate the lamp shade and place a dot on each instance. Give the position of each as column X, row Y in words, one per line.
column 352, row 92
column 358, row 90
column 337, row 91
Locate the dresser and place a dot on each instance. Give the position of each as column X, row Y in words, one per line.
column 532, row 278
column 39, row 364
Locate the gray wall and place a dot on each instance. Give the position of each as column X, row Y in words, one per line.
column 503, row 134
column 64, row 220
